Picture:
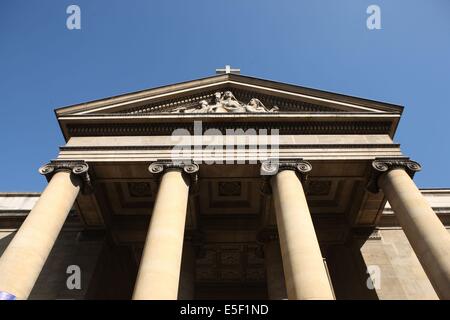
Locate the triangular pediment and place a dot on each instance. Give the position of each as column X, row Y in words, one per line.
column 223, row 101
column 212, row 95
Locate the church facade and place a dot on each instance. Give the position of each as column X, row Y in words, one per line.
column 227, row 187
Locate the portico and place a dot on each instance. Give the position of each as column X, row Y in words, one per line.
column 263, row 218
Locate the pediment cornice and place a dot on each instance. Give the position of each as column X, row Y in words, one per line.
column 288, row 98
column 290, row 108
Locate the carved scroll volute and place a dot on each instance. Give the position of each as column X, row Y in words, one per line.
column 381, row 166
column 270, row 168
column 188, row 168
column 79, row 169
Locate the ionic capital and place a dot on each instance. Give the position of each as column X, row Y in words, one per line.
column 270, row 168
column 188, row 168
column 79, row 169
column 381, row 166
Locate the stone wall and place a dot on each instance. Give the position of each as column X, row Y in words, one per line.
column 388, row 256
column 401, row 275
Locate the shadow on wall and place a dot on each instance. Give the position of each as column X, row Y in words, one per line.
column 348, row 271
column 114, row 275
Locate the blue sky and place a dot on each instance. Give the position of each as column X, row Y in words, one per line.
column 124, row 46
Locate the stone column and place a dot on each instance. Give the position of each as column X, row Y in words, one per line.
column 25, row 256
column 276, row 287
column 425, row 232
column 159, row 270
column 304, row 271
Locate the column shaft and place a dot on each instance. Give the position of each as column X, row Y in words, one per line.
column 25, row 256
column 305, row 273
column 159, row 270
column 425, row 232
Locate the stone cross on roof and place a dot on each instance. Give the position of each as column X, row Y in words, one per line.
column 228, row 69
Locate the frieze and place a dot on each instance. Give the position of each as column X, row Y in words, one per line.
column 165, row 147
column 310, row 127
